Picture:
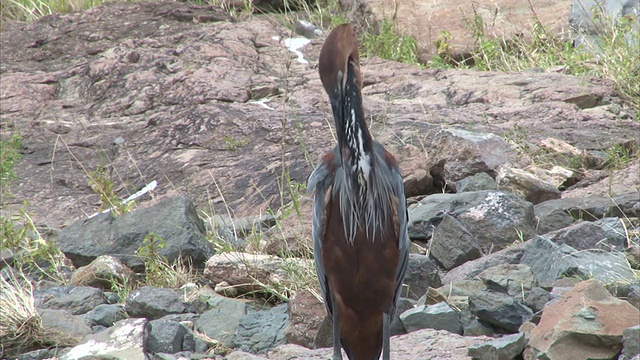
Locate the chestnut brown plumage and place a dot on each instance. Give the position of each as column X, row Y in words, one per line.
column 359, row 214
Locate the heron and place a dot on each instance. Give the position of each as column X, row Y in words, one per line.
column 359, row 224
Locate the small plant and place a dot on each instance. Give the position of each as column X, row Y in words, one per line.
column 388, row 45
column 229, row 143
column 619, row 156
column 158, row 271
column 9, row 156
column 102, row 185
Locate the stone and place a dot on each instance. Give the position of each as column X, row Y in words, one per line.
column 245, row 271
column 153, row 303
column 67, row 329
column 490, row 216
column 418, row 183
column 588, row 20
column 462, row 287
column 507, row 347
column 421, row 344
column 404, row 304
column 106, row 314
column 166, row 336
column 452, row 245
column 101, row 272
column 512, row 279
column 78, row 300
column 470, row 270
column 526, row 185
column 472, row 326
column 499, row 310
column 586, row 235
column 222, row 320
column 43, row 354
column 174, row 220
column 549, row 262
column 461, row 153
column 586, row 323
column 537, row 299
column 421, row 274
column 630, row 343
column 438, row 317
column 124, row 340
column 476, row 182
column 306, row 313
column 260, row 331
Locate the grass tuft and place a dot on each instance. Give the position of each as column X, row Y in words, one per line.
column 387, row 44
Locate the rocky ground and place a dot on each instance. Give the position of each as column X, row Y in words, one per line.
column 514, row 254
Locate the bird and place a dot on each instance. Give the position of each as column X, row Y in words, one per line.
column 359, row 217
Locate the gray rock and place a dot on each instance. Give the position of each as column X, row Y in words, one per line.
column 537, row 299
column 153, row 303
column 438, row 317
column 404, row 304
column 499, row 310
column 462, row 287
column 557, row 214
column 588, row 25
column 549, row 262
column 461, row 153
column 125, row 340
column 477, row 182
column 507, row 347
column 106, row 314
column 222, row 320
column 470, row 270
column 43, row 354
column 452, row 245
column 169, row 337
column 69, row 329
column 586, row 235
column 526, row 185
column 472, row 326
column 421, row 274
column 511, row 279
column 78, row 300
column 492, row 217
column 259, row 332
column 630, row 343
column 175, row 220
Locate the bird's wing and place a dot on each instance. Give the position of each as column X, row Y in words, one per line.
column 320, row 182
column 403, row 236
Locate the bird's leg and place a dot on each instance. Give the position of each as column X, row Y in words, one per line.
column 337, row 348
column 386, row 334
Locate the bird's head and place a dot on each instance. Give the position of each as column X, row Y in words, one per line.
column 339, row 49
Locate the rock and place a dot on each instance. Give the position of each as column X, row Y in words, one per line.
column 549, row 262
column 586, row 323
column 587, row 31
column 166, row 336
column 438, row 317
column 512, row 279
column 101, row 272
column 421, row 274
column 124, row 340
column 630, row 343
column 471, row 326
column 418, row 183
column 307, row 29
column 404, row 304
column 452, row 245
column 43, row 354
column 616, row 184
column 106, row 314
column 587, row 235
column 421, row 344
column 560, row 213
column 306, row 313
column 78, row 300
column 460, row 153
column 471, row 269
column 234, row 230
column 245, row 271
column 66, row 328
column 633, row 256
column 222, row 320
column 526, row 185
column 174, row 220
column 477, row 182
column 259, row 332
column 507, row 347
column 537, row 299
column 462, row 287
column 153, row 303
column 499, row 310
column 490, row 216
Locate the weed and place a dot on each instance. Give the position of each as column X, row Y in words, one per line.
column 9, row 156
column 619, row 156
column 159, row 272
column 389, row 45
column 230, row 143
column 102, row 185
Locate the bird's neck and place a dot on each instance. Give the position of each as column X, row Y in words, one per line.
column 354, row 138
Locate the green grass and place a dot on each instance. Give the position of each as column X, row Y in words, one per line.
column 9, row 156
column 387, row 44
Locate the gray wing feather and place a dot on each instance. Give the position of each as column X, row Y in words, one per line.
column 403, row 241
